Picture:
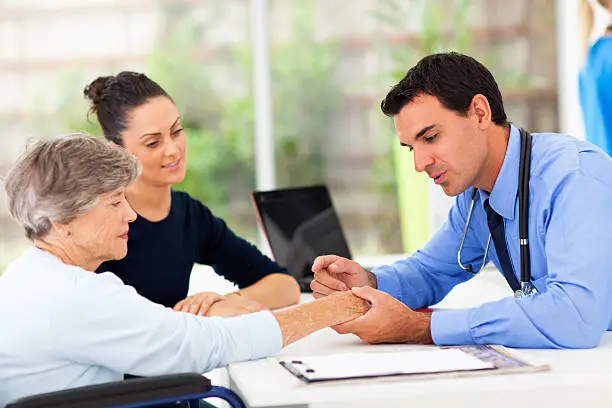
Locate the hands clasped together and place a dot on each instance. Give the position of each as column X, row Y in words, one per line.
column 387, row 321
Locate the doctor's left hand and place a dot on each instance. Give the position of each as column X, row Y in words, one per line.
column 387, row 321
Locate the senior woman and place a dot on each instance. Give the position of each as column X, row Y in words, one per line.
column 65, row 326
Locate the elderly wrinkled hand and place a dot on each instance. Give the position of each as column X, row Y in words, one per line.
column 333, row 273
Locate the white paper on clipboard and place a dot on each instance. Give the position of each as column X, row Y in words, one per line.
column 359, row 365
column 436, row 360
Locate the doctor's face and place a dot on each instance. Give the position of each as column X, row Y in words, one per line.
column 446, row 145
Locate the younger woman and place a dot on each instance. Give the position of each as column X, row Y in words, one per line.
column 173, row 230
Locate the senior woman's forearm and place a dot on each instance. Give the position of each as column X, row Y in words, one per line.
column 274, row 291
column 300, row 321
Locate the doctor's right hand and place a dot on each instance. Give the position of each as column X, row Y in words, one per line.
column 333, row 273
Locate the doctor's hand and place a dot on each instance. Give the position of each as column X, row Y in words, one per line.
column 234, row 305
column 198, row 304
column 388, row 321
column 333, row 273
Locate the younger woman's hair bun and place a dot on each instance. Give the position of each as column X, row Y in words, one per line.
column 113, row 97
column 94, row 92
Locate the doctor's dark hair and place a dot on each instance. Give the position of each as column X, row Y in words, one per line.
column 451, row 77
column 112, row 98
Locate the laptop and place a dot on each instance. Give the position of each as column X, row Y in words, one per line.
column 300, row 224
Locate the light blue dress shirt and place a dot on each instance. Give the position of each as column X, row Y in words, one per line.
column 570, row 236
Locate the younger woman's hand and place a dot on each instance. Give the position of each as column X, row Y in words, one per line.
column 234, row 305
column 198, row 304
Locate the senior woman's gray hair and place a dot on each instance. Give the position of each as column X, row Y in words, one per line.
column 58, row 179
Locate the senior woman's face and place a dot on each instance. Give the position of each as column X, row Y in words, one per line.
column 155, row 135
column 102, row 233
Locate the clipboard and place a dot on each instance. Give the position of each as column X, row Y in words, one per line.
column 418, row 363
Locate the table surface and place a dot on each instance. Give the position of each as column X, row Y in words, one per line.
column 576, row 376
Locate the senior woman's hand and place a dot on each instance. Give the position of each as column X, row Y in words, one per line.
column 234, row 305
column 198, row 304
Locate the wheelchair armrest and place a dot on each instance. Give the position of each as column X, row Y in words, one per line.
column 177, row 386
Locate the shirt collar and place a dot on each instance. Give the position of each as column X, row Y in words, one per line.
column 505, row 190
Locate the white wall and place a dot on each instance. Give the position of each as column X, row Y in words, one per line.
column 569, row 60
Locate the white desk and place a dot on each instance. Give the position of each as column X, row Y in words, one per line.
column 578, row 378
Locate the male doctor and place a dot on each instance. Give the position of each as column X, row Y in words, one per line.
column 449, row 112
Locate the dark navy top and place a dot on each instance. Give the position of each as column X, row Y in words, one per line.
column 161, row 254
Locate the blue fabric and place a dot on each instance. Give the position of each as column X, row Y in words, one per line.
column 570, row 235
column 596, row 94
column 161, row 254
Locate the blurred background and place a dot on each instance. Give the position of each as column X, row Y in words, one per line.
column 330, row 64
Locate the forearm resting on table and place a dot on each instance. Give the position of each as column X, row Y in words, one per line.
column 307, row 318
column 274, row 291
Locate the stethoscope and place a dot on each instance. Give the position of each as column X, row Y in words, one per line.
column 527, row 287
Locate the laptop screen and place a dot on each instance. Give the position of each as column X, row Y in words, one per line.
column 300, row 224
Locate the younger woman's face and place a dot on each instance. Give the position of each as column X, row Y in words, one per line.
column 155, row 136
